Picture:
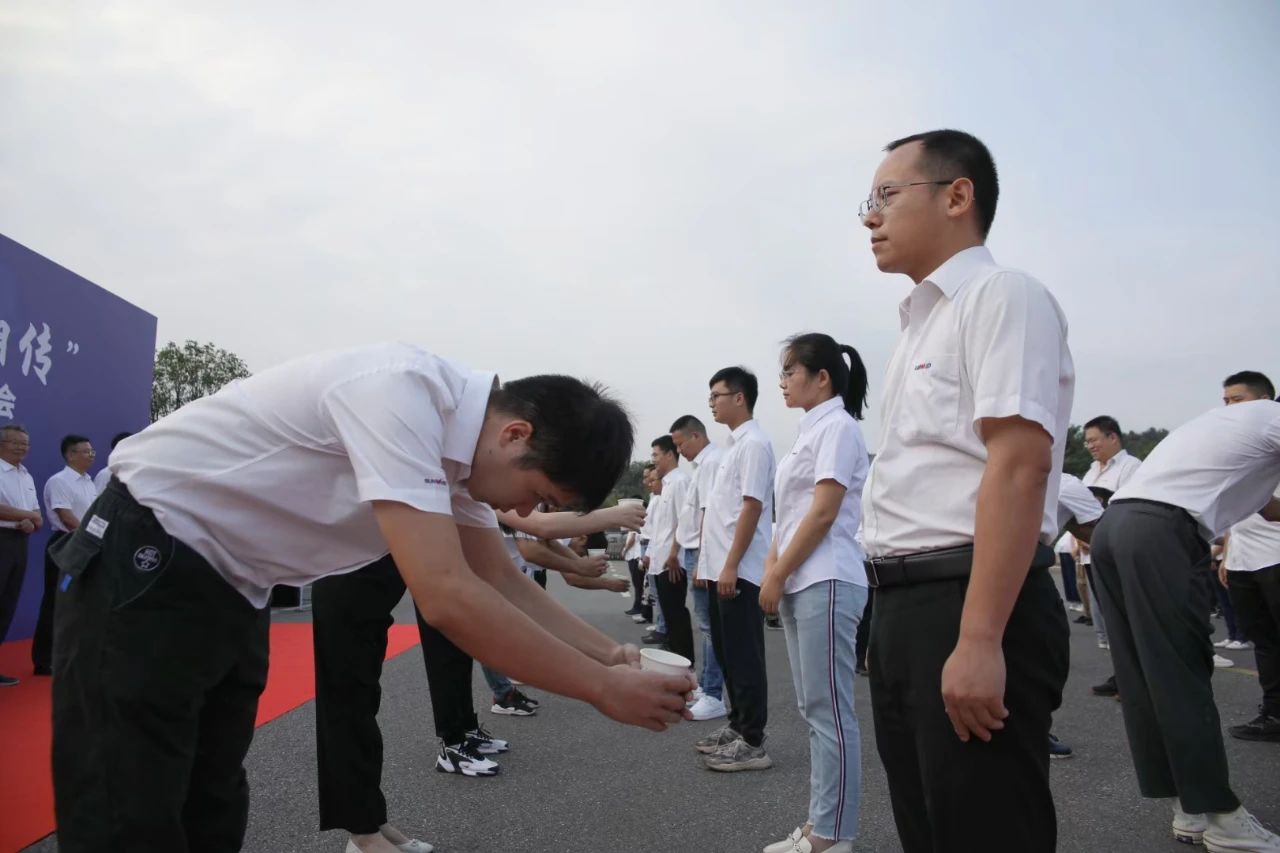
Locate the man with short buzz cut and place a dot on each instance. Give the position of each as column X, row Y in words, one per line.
column 67, row 496
column 736, row 533
column 666, row 566
column 1251, row 574
column 1111, row 468
column 969, row 638
column 161, row 636
column 690, row 437
column 19, row 518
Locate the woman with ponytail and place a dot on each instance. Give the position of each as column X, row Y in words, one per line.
column 814, row 577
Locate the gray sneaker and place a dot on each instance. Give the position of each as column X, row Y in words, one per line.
column 716, row 740
column 739, row 755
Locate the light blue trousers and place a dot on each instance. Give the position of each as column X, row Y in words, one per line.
column 821, row 626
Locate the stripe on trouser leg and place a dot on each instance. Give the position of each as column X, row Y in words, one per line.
column 835, row 701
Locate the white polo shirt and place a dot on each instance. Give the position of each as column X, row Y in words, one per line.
column 1254, row 544
column 650, row 515
column 271, row 478
column 101, row 479
column 68, row 489
column 978, row 341
column 1114, row 473
column 689, row 522
column 18, row 490
column 1075, row 501
column 1221, row 467
column 746, row 471
column 675, row 485
column 705, row 466
column 829, row 446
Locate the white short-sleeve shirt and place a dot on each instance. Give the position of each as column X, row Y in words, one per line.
column 70, row 490
column 705, row 466
column 675, row 484
column 101, row 479
column 1111, row 475
column 271, row 479
column 1075, row 501
column 746, row 471
column 829, row 446
column 18, row 490
column 1221, row 467
column 650, row 516
column 1254, row 544
column 978, row 341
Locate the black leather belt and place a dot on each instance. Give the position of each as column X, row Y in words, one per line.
column 927, row 566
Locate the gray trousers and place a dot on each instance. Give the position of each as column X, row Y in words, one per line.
column 1144, row 558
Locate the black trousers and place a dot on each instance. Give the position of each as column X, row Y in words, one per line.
column 1157, row 613
column 1256, row 596
column 42, row 641
column 13, row 568
column 1068, row 567
column 351, row 614
column 672, row 596
column 737, row 637
column 637, row 583
column 160, row 663
column 948, row 795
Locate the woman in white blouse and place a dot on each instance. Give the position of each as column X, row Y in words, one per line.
column 814, row 577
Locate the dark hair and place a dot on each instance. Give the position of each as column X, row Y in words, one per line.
column 1256, row 382
column 69, row 442
column 582, row 438
column 953, row 154
column 688, row 424
column 649, row 466
column 815, row 351
column 665, row 444
column 739, row 380
column 1106, row 424
column 599, row 539
column 119, row 437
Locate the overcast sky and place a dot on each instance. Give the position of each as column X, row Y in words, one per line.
column 642, row 193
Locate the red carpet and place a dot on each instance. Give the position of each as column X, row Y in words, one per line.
column 26, row 786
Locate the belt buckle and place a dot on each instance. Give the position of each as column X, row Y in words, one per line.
column 873, row 576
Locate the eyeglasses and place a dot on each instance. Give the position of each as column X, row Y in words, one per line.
column 786, row 374
column 714, row 394
column 880, row 195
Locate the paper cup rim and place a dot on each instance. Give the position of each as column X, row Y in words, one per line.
column 666, row 658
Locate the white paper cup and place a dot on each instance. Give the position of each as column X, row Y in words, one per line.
column 597, row 552
column 630, row 502
column 667, row 663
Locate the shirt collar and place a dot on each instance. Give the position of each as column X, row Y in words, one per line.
column 462, row 428
column 819, row 412
column 5, row 465
column 947, row 279
column 704, row 453
column 669, row 476
column 77, row 474
column 1120, row 454
column 741, row 432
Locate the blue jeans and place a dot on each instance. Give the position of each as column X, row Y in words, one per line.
column 711, row 680
column 820, row 623
column 498, row 683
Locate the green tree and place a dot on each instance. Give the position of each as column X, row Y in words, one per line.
column 1077, row 460
column 629, row 484
column 190, row 372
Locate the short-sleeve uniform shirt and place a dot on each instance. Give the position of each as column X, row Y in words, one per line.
column 746, row 470
column 70, row 490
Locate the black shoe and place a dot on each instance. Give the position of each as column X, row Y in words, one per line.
column 1106, row 688
column 8, row 681
column 1058, row 749
column 42, row 670
column 1083, row 620
column 654, row 638
column 773, row 623
column 634, row 611
column 464, row 759
column 514, row 704
column 860, row 668
column 1261, row 727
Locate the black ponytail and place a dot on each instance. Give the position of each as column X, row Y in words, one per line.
column 815, row 351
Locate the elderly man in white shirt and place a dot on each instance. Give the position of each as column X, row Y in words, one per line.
column 68, row 495
column 1205, row 476
column 313, row 468
column 969, row 645
column 736, row 532
column 19, row 518
column 690, row 436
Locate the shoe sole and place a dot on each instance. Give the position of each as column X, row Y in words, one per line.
column 470, row 774
column 1062, row 757
column 510, row 712
column 1187, row 837
column 752, row 764
column 1275, row 738
column 706, row 749
column 702, row 718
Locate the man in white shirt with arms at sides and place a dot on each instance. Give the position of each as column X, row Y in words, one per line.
column 67, row 496
column 19, row 518
column 1210, row 473
column 312, row 468
column 969, row 639
column 666, row 568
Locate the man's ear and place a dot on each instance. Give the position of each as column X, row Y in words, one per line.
column 515, row 431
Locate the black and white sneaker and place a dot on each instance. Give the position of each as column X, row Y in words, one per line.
column 464, row 758
column 528, row 700
column 514, row 704
column 485, row 743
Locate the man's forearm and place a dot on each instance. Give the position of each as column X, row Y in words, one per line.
column 540, row 554
column 10, row 513
column 557, row 525
column 68, row 518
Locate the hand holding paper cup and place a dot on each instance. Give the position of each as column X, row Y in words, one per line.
column 667, row 663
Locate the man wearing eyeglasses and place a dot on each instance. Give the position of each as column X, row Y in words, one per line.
column 68, row 494
column 969, row 640
column 19, row 518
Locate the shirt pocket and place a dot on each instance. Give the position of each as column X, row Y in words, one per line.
column 930, row 399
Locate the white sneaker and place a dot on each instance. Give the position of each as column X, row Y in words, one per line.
column 1239, row 832
column 694, row 697
column 1104, row 645
column 1238, row 645
column 1219, row 661
column 1188, row 828
column 803, row 846
column 787, row 844
column 1222, row 644
column 708, row 708
column 649, row 629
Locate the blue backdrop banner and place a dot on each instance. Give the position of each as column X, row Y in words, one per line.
column 73, row 359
